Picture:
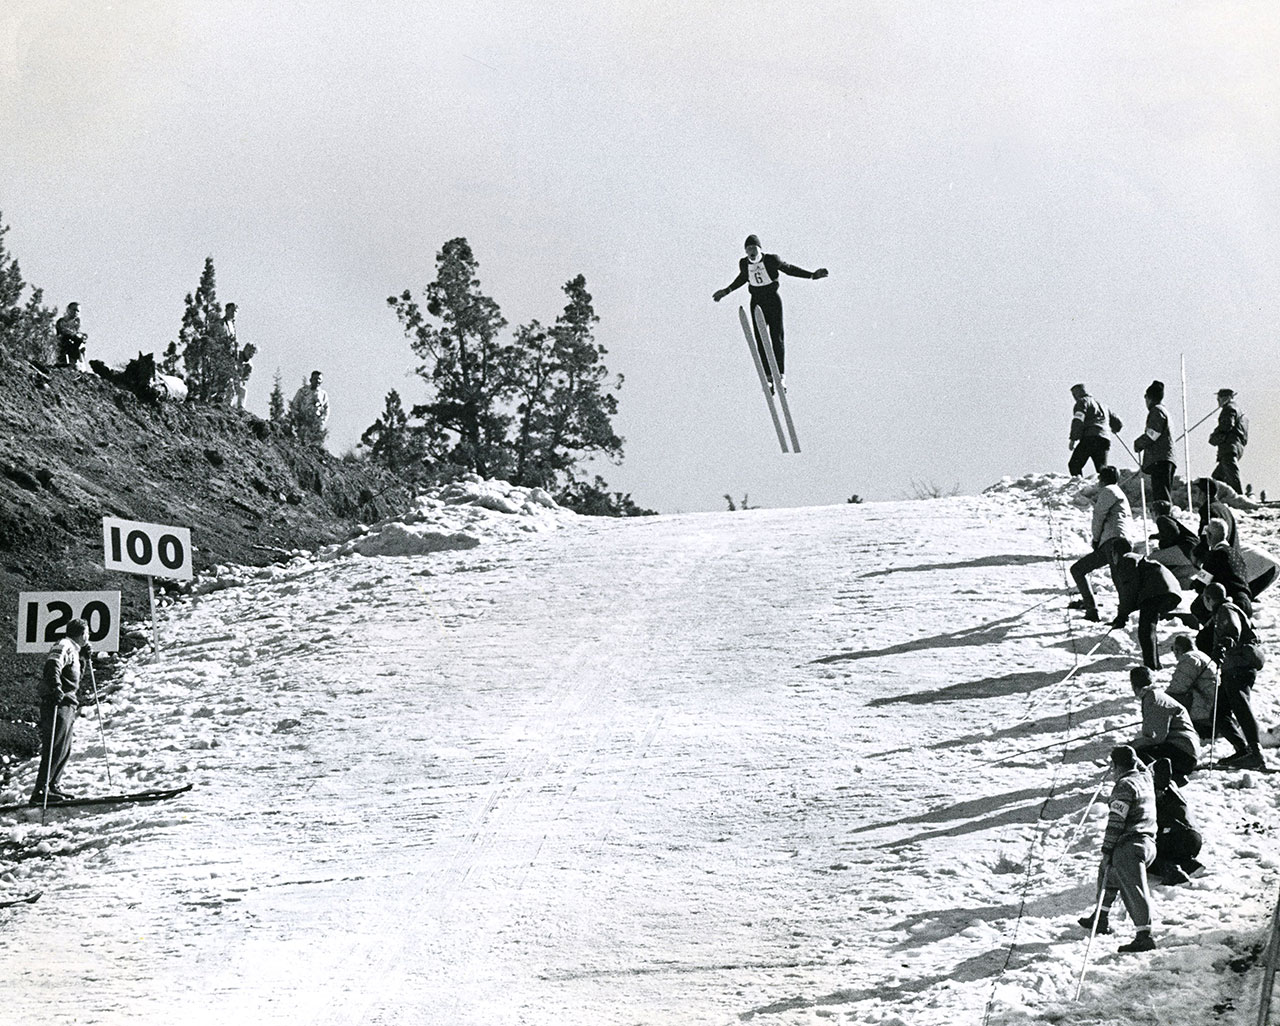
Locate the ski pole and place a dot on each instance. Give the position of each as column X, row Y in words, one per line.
column 1059, row 744
column 1071, row 673
column 1087, row 809
column 1093, row 929
column 1213, row 730
column 1195, row 425
column 48, row 763
column 97, row 708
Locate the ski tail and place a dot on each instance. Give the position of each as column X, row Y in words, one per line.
column 765, row 338
column 764, row 381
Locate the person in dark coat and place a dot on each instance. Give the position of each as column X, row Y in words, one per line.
column 1229, row 437
column 1088, row 439
column 1233, row 649
column 1128, row 847
column 1221, row 563
column 759, row 272
column 1156, row 446
column 1178, row 842
column 1144, row 585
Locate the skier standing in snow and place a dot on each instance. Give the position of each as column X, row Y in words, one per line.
column 1230, row 436
column 759, row 272
column 59, row 703
column 1156, row 446
column 1111, row 527
column 1128, row 847
column 1088, row 439
column 1167, row 732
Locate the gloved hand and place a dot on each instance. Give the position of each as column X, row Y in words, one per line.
column 821, row 272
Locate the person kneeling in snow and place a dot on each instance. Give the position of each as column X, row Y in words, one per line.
column 1167, row 732
column 1195, row 685
column 1128, row 847
column 1178, row 842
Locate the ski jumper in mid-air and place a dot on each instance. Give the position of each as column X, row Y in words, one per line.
column 759, row 272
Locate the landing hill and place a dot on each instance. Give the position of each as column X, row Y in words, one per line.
column 75, row 447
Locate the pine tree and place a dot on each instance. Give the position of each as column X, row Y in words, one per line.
column 394, row 443
column 566, row 403
column 465, row 421
column 275, row 405
column 26, row 329
column 208, row 354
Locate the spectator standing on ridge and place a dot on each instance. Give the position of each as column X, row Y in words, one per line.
column 1128, row 847
column 1178, row 842
column 243, row 356
column 1088, row 439
column 310, row 411
column 1195, row 684
column 59, row 703
column 1149, row 587
column 1156, row 446
column 1230, row 436
column 1111, row 527
column 759, row 272
column 71, row 340
column 1167, row 732
column 1236, row 652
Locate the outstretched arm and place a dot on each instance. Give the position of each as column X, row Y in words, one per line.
column 737, row 283
column 800, row 272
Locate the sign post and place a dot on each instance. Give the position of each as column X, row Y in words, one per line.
column 151, row 550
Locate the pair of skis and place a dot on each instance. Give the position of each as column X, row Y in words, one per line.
column 773, row 375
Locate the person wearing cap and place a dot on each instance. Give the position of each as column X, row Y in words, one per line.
column 1112, row 524
column 1088, row 439
column 1148, row 587
column 759, row 272
column 1128, row 848
column 1167, row 730
column 1230, row 437
column 1156, row 446
column 59, row 703
column 1234, row 648
column 71, row 340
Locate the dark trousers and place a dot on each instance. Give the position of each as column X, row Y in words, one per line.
column 1091, row 447
column 771, row 304
column 1234, row 692
column 1085, row 565
column 1228, row 470
column 1161, row 475
column 56, row 722
column 1181, row 762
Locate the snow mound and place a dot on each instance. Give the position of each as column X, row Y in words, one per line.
column 459, row 515
column 1055, row 490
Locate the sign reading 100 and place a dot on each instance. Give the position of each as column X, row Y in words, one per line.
column 152, row 550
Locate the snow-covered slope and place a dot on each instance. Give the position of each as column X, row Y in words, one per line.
column 712, row 768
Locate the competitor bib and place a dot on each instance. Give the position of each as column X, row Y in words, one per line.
column 757, row 274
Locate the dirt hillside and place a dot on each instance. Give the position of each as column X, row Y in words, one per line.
column 75, row 447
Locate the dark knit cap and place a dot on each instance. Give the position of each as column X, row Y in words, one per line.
column 752, row 240
column 1156, row 391
column 1124, row 757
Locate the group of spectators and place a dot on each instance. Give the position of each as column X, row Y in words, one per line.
column 1150, row 831
column 308, row 410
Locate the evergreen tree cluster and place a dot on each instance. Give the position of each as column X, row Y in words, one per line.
column 26, row 326
column 215, row 366
column 530, row 409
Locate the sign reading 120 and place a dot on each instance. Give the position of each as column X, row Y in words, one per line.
column 43, row 617
column 153, row 550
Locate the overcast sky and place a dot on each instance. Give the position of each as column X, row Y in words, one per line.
column 1010, row 197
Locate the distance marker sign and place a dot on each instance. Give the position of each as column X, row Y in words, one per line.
column 152, row 550
column 43, row 617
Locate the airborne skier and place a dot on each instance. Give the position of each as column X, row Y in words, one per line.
column 759, row 272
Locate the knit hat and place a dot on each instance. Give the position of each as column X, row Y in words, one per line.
column 752, row 240
column 1124, row 757
column 1226, row 393
column 1155, row 391
column 1079, row 390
